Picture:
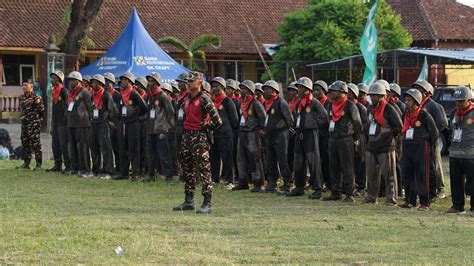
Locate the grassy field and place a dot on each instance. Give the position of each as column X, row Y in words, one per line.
column 53, row 219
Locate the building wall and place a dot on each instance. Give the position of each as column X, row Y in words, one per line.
column 459, row 75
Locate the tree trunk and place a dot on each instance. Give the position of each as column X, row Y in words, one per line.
column 83, row 13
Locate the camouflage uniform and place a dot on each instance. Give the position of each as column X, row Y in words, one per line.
column 194, row 152
column 32, row 110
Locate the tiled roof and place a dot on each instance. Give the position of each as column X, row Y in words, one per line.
column 28, row 23
column 436, row 19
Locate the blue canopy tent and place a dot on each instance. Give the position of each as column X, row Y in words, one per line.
column 135, row 51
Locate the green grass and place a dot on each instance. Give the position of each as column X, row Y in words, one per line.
column 53, row 219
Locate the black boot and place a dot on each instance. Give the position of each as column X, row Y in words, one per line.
column 296, row 192
column 332, row 197
column 206, row 205
column 55, row 168
column 38, row 165
column 188, row 204
column 271, row 186
column 25, row 165
column 285, row 190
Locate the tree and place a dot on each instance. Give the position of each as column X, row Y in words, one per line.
column 331, row 29
column 194, row 51
column 79, row 17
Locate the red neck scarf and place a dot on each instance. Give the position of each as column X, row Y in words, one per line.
column 97, row 96
column 143, row 94
column 183, row 94
column 306, row 101
column 323, row 99
column 392, row 99
column 232, row 96
column 423, row 102
column 377, row 112
column 55, row 92
column 364, row 102
column 293, row 103
column 126, row 95
column 239, row 97
column 111, row 91
column 269, row 102
column 410, row 119
column 461, row 114
column 338, row 108
column 355, row 101
column 218, row 100
column 261, row 100
column 71, row 95
column 245, row 105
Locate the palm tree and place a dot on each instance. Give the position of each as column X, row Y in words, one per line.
column 194, row 50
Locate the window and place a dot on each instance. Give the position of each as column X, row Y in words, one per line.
column 16, row 68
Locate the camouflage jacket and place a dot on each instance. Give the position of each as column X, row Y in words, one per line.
column 32, row 108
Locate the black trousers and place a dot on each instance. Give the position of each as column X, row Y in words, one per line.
column 307, row 157
column 158, row 153
column 143, row 136
column 291, row 154
column 324, row 155
column 416, row 171
column 101, row 149
column 359, row 164
column 276, row 152
column 341, row 163
column 60, row 146
column 173, row 147
column 115, row 139
column 461, row 175
column 235, row 143
column 222, row 150
column 249, row 159
column 78, row 145
column 130, row 149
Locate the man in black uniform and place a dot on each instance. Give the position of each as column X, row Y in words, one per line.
column 232, row 91
column 223, row 149
column 461, row 152
column 420, row 134
column 359, row 153
column 194, row 152
column 436, row 110
column 172, row 133
column 394, row 97
column 161, row 119
column 249, row 158
column 141, row 85
column 103, row 110
column 78, row 125
column 114, row 122
column 59, row 123
column 385, row 126
column 278, row 122
column 32, row 110
column 320, row 91
column 344, row 130
column 132, row 107
column 309, row 114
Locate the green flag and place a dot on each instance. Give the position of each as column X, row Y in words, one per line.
column 424, row 71
column 368, row 46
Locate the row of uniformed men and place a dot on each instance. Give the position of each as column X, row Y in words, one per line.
column 340, row 126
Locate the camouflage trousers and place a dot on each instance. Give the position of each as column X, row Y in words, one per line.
column 30, row 140
column 195, row 163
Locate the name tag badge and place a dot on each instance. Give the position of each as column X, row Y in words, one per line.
column 409, row 133
column 457, row 136
column 124, row 110
column 70, row 106
column 152, row 114
column 95, row 113
column 242, row 121
column 372, row 129
column 331, row 126
column 180, row 113
column 298, row 121
column 266, row 120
